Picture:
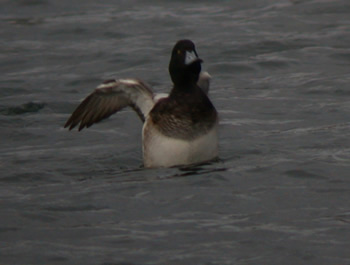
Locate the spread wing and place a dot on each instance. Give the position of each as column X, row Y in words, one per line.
column 110, row 97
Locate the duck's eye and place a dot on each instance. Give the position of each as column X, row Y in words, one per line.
column 178, row 52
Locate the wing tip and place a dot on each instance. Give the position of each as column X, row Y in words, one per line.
column 68, row 123
column 71, row 124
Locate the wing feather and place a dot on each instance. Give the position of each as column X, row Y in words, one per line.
column 114, row 95
column 110, row 97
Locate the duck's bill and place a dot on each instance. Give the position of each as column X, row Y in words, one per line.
column 191, row 56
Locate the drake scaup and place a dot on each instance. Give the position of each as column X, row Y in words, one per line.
column 179, row 128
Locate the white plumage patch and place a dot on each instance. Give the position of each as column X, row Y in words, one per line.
column 107, row 85
column 129, row 81
column 162, row 151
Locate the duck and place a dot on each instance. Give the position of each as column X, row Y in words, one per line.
column 179, row 128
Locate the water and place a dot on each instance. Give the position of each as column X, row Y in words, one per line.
column 280, row 193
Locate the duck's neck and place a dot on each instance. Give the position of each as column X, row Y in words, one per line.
column 184, row 75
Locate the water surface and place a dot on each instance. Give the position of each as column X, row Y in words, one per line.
column 280, row 193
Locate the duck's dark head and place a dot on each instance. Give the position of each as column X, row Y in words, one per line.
column 185, row 66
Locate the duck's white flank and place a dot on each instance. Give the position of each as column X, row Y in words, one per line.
column 163, row 151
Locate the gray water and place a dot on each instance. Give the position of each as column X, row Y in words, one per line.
column 280, row 193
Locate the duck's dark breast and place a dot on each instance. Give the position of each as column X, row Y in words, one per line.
column 184, row 115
